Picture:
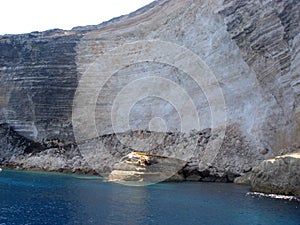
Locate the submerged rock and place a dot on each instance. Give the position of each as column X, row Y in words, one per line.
column 279, row 175
column 139, row 168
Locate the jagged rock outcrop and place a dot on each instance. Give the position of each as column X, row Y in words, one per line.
column 19, row 152
column 228, row 67
column 280, row 175
column 13, row 145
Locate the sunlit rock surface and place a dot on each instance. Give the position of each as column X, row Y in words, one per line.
column 249, row 50
column 137, row 167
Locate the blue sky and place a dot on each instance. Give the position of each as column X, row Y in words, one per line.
column 23, row 16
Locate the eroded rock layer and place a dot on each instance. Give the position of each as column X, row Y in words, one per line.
column 38, row 81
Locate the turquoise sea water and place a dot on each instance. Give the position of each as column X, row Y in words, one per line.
column 45, row 198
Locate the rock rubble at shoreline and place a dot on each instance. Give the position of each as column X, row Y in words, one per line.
column 20, row 153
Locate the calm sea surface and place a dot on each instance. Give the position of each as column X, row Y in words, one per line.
column 46, row 198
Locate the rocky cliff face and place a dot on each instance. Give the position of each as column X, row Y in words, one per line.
column 38, row 81
column 175, row 68
column 267, row 34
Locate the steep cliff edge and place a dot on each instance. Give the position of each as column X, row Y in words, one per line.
column 176, row 68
